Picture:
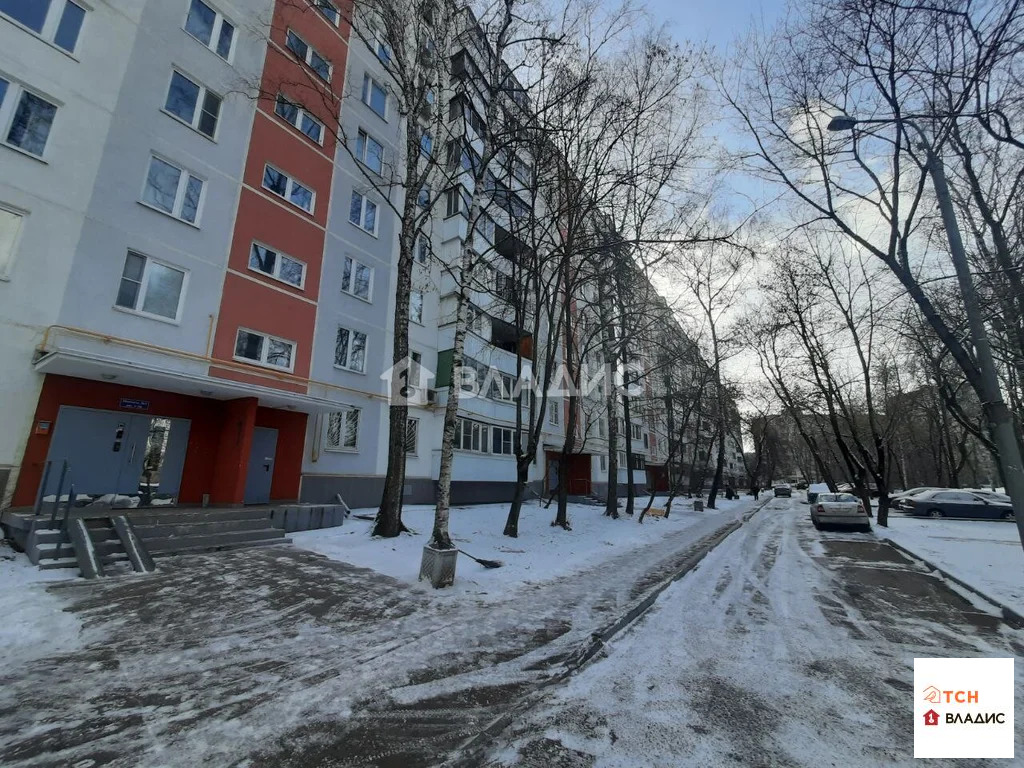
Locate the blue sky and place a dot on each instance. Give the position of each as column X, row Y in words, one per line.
column 717, row 21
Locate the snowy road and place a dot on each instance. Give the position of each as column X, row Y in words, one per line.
column 784, row 647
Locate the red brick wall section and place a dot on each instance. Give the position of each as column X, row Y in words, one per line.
column 237, row 419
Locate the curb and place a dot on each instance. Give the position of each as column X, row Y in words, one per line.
column 599, row 639
column 1010, row 616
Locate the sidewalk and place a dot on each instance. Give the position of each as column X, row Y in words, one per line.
column 281, row 657
column 984, row 554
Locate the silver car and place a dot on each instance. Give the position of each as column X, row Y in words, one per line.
column 839, row 509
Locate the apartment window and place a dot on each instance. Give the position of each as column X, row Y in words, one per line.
column 471, row 436
column 639, row 462
column 553, row 413
column 416, row 307
column 193, row 104
column 604, row 463
column 350, row 350
column 522, row 171
column 277, row 265
column 356, row 278
column 343, row 430
column 173, row 190
column 487, row 228
column 422, row 249
column 412, row 434
column 369, row 152
column 426, row 143
column 300, row 118
column 383, row 52
column 328, row 9
column 647, row 442
column 309, row 55
column 636, row 431
column 285, row 186
column 56, row 21
column 265, row 350
column 501, row 441
column 10, row 228
column 363, row 213
column 621, row 456
column 602, row 427
column 503, row 387
column 210, row 28
column 150, row 288
column 374, row 96
column 457, row 201
column 26, row 116
column 423, row 199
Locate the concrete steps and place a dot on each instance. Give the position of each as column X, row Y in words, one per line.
column 162, row 532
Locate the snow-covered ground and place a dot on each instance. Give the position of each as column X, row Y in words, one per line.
column 34, row 622
column 784, row 647
column 986, row 554
column 541, row 553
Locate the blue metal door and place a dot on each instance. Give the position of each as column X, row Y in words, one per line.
column 260, row 474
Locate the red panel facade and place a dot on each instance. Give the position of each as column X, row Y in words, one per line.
column 250, row 299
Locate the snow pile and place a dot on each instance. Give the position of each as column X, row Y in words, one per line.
column 34, row 624
column 542, row 553
column 986, row 554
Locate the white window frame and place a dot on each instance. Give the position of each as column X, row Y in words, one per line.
column 199, row 106
column 51, row 24
column 319, row 6
column 300, row 113
column 422, row 296
column 368, row 298
column 7, row 266
column 179, row 198
column 218, row 24
column 494, row 429
column 416, row 437
column 344, row 415
column 290, row 184
column 364, row 137
column 307, row 59
column 554, row 417
column 482, row 437
column 362, row 214
column 636, row 431
column 366, row 96
column 276, row 274
column 140, row 298
column 346, row 366
column 263, row 354
column 421, row 251
column 9, row 105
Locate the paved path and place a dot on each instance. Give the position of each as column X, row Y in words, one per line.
column 279, row 657
column 785, row 647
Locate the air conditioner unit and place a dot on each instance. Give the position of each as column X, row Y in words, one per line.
column 431, row 395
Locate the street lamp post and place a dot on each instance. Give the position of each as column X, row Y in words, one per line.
column 998, row 414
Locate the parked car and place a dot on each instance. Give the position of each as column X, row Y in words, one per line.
column 839, row 509
column 814, row 489
column 895, row 498
column 956, row 503
column 1002, row 498
column 783, row 490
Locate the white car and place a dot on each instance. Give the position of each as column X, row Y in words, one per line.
column 839, row 509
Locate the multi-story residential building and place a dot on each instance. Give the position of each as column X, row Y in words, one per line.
column 197, row 276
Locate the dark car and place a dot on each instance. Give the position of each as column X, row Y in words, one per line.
column 783, row 490
column 950, row 503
